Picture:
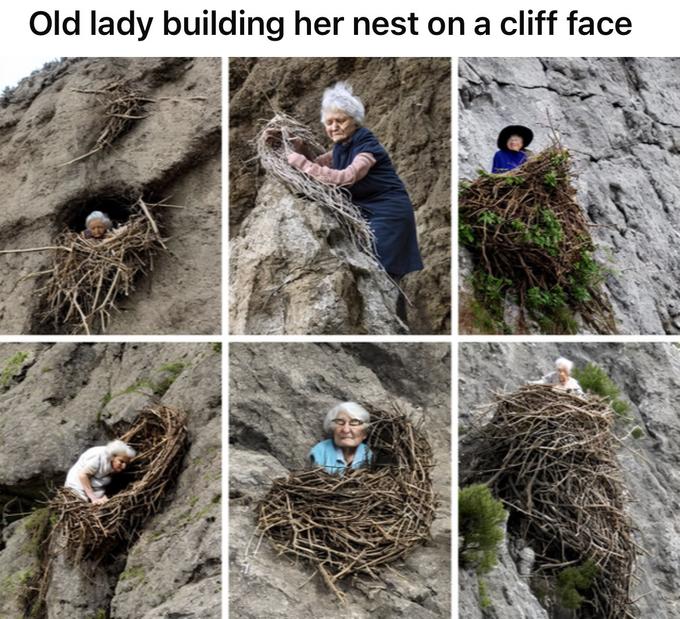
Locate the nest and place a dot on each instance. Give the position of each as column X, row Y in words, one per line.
column 90, row 532
column 123, row 107
column 551, row 458
column 526, row 230
column 366, row 518
column 89, row 276
column 283, row 135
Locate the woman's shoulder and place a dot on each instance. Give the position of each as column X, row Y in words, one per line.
column 323, row 446
column 366, row 140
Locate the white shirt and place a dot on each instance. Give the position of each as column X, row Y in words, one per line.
column 571, row 386
column 96, row 464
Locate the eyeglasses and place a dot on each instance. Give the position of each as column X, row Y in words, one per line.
column 352, row 422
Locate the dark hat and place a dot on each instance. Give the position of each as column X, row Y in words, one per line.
column 524, row 132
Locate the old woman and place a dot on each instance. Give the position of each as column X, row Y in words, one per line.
column 561, row 378
column 360, row 163
column 97, row 226
column 512, row 143
column 90, row 475
column 346, row 424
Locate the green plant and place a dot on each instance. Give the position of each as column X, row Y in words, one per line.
column 217, row 347
column 171, row 371
column 513, row 181
column 637, row 432
column 572, row 580
column 466, row 236
column 487, row 218
column 12, row 368
column 480, row 519
column 550, row 179
column 546, row 234
column 594, row 379
column 484, row 599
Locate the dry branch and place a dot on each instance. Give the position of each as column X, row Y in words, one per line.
column 366, row 518
column 89, row 276
column 551, row 458
column 277, row 139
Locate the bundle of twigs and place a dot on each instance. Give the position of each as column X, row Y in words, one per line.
column 551, row 458
column 91, row 531
column 354, row 523
column 88, row 276
column 283, row 135
column 122, row 107
column 525, row 227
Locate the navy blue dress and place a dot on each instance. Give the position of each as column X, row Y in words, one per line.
column 505, row 160
column 384, row 202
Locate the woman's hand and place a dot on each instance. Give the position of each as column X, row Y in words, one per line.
column 100, row 501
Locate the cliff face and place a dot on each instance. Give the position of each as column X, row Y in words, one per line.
column 56, row 401
column 408, row 108
column 620, row 118
column 172, row 153
column 648, row 377
column 279, row 394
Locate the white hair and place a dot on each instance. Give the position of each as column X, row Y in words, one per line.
column 120, row 448
column 341, row 98
column 563, row 362
column 98, row 216
column 354, row 410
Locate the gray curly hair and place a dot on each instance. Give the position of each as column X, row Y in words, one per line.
column 340, row 97
column 354, row 410
column 120, row 448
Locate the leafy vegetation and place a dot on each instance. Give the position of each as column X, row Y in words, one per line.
column 594, row 379
column 12, row 368
column 480, row 519
column 573, row 581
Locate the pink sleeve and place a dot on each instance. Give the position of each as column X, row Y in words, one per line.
column 353, row 173
column 325, row 160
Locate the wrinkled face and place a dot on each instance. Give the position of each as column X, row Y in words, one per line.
column 98, row 228
column 515, row 142
column 563, row 375
column 345, row 434
column 339, row 126
column 119, row 463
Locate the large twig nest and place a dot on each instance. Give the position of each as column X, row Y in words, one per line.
column 91, row 531
column 366, row 518
column 551, row 458
column 89, row 276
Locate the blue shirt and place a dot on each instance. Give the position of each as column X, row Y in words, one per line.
column 505, row 160
column 329, row 456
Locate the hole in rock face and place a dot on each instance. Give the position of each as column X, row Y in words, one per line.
column 116, row 206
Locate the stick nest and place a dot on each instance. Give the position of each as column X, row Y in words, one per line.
column 354, row 523
column 93, row 531
column 527, row 232
column 551, row 458
column 283, row 135
column 89, row 276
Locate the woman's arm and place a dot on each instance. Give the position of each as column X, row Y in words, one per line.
column 84, row 480
column 325, row 160
column 353, row 173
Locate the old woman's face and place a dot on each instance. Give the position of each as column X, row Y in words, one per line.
column 345, row 434
column 98, row 228
column 515, row 143
column 339, row 126
column 119, row 463
column 563, row 375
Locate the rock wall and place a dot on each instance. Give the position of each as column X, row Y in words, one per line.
column 408, row 107
column 173, row 153
column 620, row 118
column 279, row 394
column 60, row 399
column 648, row 375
